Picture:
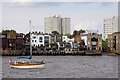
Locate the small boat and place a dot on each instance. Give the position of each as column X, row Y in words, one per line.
column 27, row 66
column 26, row 63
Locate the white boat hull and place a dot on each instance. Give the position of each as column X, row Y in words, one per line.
column 28, row 66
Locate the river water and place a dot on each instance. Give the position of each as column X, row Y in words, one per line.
column 66, row 67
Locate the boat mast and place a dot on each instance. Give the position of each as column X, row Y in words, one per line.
column 30, row 40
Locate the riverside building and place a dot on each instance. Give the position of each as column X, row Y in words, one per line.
column 8, row 38
column 38, row 39
column 114, row 42
column 94, row 42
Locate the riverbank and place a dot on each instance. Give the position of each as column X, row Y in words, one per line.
column 55, row 53
column 48, row 53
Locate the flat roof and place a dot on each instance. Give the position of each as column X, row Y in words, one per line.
column 116, row 32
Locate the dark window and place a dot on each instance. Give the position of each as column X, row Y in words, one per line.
column 46, row 39
column 34, row 37
column 40, row 39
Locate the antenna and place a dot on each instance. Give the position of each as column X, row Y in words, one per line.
column 51, row 14
column 30, row 40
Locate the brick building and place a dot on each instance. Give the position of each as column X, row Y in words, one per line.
column 94, row 42
column 56, row 38
column 20, row 41
column 114, row 42
column 8, row 39
column 3, row 40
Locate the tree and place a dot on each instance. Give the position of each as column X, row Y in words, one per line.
column 68, row 35
column 55, row 32
column 105, row 45
column 81, row 31
column 75, row 32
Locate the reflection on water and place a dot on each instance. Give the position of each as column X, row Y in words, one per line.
column 66, row 67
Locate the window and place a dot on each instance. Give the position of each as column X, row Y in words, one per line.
column 10, row 44
column 32, row 40
column 34, row 37
column 88, row 42
column 46, row 39
column 11, row 36
column 35, row 41
column 99, row 48
column 40, row 39
column 33, row 44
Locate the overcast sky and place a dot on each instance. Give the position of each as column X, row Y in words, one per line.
column 84, row 15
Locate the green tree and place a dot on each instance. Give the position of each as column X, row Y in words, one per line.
column 68, row 35
column 75, row 32
column 105, row 46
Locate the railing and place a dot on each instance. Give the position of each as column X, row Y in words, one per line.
column 10, row 52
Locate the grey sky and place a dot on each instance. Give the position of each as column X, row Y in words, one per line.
column 86, row 15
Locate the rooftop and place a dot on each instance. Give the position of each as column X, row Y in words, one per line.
column 116, row 32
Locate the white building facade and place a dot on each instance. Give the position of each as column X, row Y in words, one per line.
column 66, row 39
column 40, row 39
column 110, row 26
column 56, row 23
column 52, row 24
